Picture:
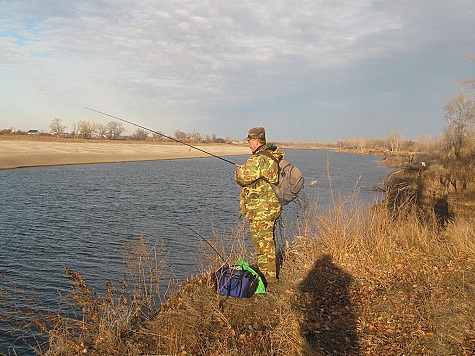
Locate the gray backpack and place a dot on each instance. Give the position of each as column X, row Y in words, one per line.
column 290, row 180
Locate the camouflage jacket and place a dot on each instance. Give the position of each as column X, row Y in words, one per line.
column 257, row 200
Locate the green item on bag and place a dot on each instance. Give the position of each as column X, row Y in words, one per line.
column 261, row 288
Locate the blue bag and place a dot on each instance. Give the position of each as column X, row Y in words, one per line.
column 235, row 282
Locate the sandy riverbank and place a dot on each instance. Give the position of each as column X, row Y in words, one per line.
column 32, row 152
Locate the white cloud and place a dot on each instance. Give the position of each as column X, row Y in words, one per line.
column 215, row 61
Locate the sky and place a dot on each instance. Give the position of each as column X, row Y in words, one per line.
column 307, row 71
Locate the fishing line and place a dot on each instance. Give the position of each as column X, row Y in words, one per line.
column 163, row 135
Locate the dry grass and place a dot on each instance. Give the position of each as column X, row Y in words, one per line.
column 413, row 284
column 357, row 280
column 86, row 320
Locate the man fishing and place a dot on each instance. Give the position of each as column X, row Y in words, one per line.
column 258, row 202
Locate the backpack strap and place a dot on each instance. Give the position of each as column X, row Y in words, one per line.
column 270, row 155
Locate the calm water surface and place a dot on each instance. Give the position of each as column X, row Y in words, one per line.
column 79, row 216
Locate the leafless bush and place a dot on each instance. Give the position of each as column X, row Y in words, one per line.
column 86, row 320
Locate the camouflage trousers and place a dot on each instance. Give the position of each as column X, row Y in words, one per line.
column 262, row 237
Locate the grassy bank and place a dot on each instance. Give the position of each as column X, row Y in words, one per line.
column 356, row 280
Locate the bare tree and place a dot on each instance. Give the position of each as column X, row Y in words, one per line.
column 180, row 135
column 84, row 129
column 140, row 134
column 74, row 131
column 460, row 115
column 101, row 130
column 57, row 127
column 159, row 136
column 194, row 136
column 394, row 140
column 362, row 143
column 426, row 143
column 114, row 130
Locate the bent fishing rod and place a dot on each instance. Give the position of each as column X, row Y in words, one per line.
column 163, row 135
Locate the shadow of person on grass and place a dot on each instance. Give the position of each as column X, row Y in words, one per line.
column 329, row 324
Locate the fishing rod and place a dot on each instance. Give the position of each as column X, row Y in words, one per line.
column 163, row 135
column 214, row 248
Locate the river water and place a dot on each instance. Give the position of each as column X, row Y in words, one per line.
column 79, row 216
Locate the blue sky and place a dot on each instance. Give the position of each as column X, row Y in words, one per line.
column 317, row 71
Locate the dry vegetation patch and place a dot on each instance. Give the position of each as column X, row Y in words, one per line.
column 355, row 281
column 361, row 283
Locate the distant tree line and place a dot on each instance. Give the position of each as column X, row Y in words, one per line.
column 114, row 130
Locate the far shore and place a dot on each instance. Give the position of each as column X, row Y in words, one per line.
column 38, row 151
column 35, row 151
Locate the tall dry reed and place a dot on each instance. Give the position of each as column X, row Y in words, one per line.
column 414, row 280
